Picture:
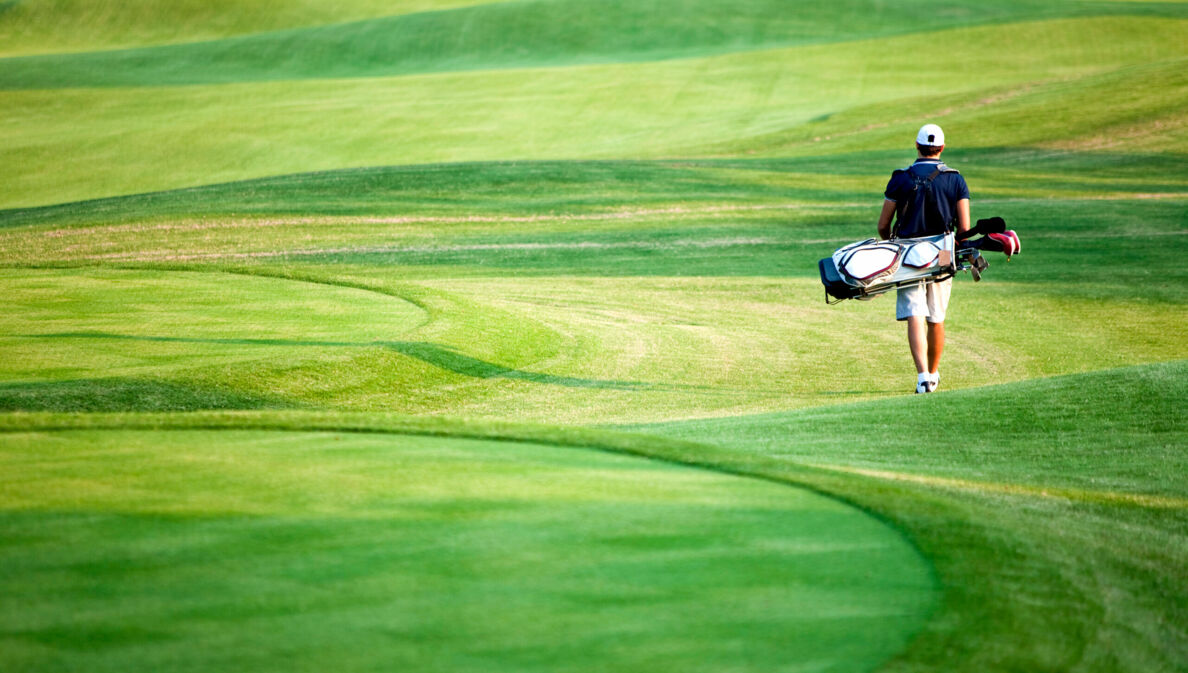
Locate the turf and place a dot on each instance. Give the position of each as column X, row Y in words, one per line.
column 529, row 33
column 1075, row 478
column 489, row 336
column 420, row 547
column 75, row 144
column 56, row 26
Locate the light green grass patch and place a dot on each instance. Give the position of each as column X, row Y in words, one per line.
column 56, row 26
column 354, row 551
column 596, row 350
column 69, row 325
column 77, row 144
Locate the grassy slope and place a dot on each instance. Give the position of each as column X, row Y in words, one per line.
column 532, row 189
column 1068, row 561
column 647, row 317
column 83, row 143
column 529, row 33
column 1064, row 494
column 1043, row 570
column 56, row 26
column 433, row 554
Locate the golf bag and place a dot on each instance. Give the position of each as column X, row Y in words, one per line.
column 866, row 269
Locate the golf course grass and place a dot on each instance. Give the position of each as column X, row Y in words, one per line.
column 430, row 554
column 454, row 336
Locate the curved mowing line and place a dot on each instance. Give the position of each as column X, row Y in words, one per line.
column 616, row 443
column 579, row 438
column 563, row 436
column 427, row 314
column 926, row 602
column 443, row 357
column 314, row 280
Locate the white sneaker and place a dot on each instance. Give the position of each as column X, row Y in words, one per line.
column 935, row 381
column 924, row 384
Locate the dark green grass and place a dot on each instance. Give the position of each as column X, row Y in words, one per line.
column 529, row 33
column 1094, row 247
column 1064, row 553
column 125, row 394
column 1115, row 430
column 1049, row 566
column 1097, row 248
column 530, row 188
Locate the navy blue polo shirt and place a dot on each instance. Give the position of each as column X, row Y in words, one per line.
column 949, row 188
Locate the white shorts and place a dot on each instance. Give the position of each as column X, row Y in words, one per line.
column 930, row 300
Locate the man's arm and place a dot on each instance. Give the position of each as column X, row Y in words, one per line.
column 889, row 212
column 962, row 216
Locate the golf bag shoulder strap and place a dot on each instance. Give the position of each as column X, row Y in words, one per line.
column 940, row 168
column 917, row 183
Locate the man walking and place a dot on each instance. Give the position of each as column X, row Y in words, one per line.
column 927, row 199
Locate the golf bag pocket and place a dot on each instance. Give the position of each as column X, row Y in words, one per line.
column 923, row 254
column 868, row 261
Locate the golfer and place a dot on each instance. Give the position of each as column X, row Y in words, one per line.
column 927, row 199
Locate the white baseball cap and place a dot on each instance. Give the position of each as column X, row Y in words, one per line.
column 930, row 135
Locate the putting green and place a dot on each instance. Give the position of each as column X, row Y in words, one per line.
column 74, row 324
column 179, row 550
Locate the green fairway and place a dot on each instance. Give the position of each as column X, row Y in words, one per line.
column 528, row 33
column 432, row 554
column 1078, row 479
column 78, row 143
column 55, row 26
column 449, row 335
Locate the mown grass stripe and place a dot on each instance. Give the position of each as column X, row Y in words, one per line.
column 530, row 33
column 38, row 27
column 773, row 100
column 1055, row 492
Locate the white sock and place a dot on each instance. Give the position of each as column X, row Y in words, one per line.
column 923, row 378
column 934, row 377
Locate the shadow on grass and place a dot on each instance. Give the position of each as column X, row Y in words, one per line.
column 114, row 394
column 442, row 357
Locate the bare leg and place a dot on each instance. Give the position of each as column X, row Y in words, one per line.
column 919, row 342
column 936, row 345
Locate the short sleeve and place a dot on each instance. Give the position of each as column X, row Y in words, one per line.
column 962, row 189
column 894, row 191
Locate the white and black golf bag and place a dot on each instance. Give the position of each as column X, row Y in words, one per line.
column 866, row 269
